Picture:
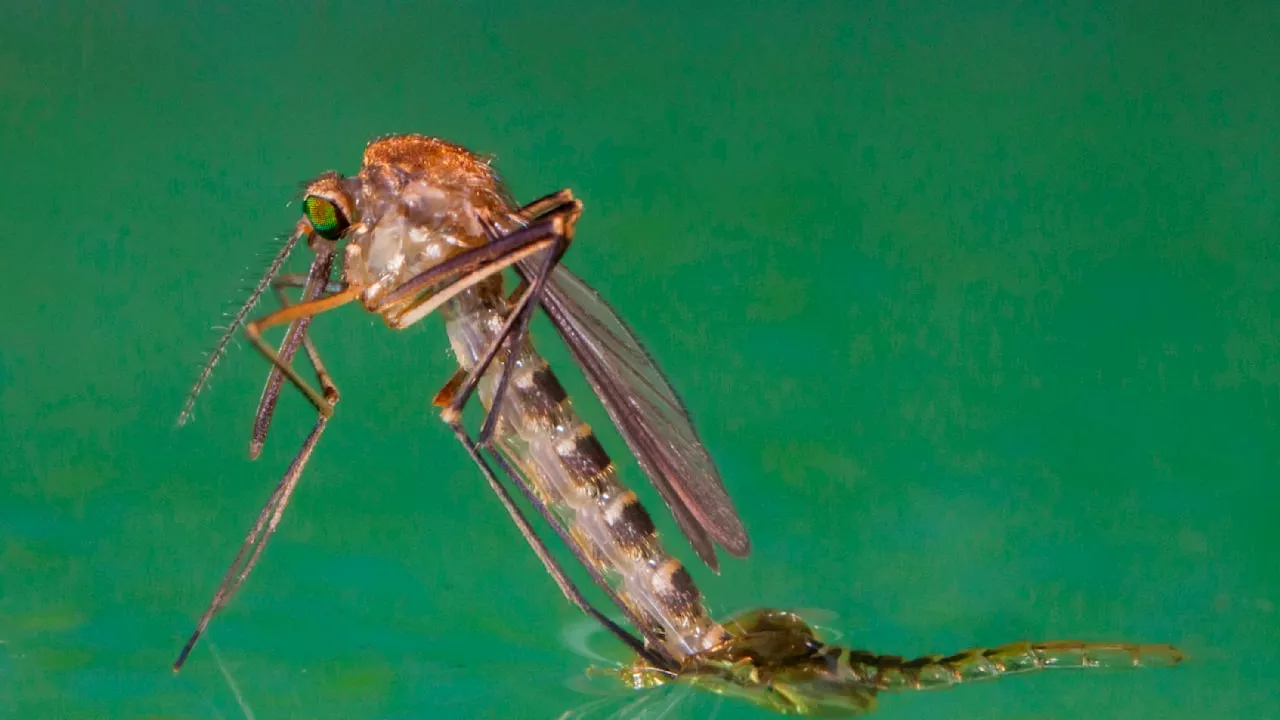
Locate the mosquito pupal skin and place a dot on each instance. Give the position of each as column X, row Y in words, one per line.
column 773, row 659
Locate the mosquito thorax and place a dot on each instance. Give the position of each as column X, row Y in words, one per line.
column 419, row 200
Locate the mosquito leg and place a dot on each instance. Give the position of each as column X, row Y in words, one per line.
column 316, row 282
column 557, row 573
column 269, row 518
column 510, row 338
column 297, row 280
column 422, row 294
column 539, row 207
column 664, row 661
column 293, row 314
column 513, row 332
column 444, row 396
column 523, row 316
column 256, row 539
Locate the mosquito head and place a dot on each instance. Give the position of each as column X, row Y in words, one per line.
column 328, row 210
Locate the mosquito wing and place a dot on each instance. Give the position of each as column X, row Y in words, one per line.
column 648, row 413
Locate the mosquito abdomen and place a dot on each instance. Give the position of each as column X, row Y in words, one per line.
column 572, row 473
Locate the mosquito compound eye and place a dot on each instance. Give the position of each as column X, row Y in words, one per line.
column 325, row 217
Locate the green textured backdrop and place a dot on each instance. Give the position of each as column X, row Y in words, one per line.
column 977, row 308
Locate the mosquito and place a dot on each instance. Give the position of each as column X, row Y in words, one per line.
column 427, row 226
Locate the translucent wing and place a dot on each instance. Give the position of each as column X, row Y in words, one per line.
column 648, row 414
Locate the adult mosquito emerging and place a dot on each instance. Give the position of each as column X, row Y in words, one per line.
column 426, row 225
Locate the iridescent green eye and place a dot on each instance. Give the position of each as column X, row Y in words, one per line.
column 325, row 217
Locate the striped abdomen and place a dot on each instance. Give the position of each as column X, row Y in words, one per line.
column 573, row 475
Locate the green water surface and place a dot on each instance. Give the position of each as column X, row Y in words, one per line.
column 977, row 305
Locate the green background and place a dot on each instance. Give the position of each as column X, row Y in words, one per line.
column 976, row 304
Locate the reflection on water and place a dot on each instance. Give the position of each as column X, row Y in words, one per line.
column 231, row 683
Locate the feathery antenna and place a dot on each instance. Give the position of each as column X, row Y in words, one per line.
column 236, row 321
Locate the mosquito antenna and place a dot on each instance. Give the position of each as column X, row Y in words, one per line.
column 236, row 321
